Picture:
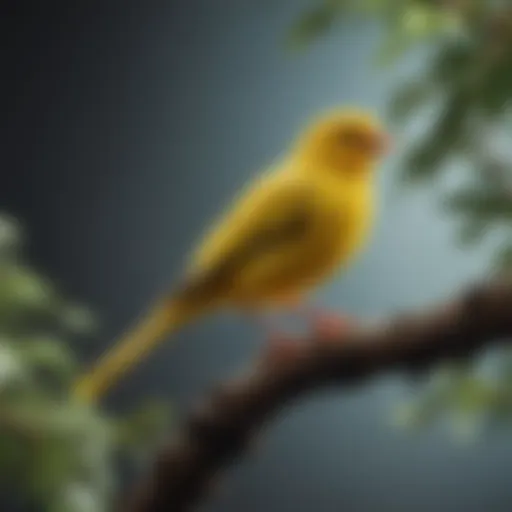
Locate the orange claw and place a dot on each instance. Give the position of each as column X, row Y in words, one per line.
column 331, row 326
column 282, row 347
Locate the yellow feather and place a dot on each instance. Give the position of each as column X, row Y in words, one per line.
column 287, row 232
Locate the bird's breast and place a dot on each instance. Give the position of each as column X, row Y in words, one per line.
column 341, row 227
column 337, row 224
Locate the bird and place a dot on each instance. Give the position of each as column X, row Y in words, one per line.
column 290, row 229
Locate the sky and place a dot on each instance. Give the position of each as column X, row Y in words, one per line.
column 128, row 127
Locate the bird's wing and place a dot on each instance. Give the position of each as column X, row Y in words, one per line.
column 272, row 214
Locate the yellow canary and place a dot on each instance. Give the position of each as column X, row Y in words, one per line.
column 288, row 231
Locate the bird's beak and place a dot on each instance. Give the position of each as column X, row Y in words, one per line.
column 382, row 144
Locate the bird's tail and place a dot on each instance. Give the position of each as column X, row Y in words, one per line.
column 162, row 320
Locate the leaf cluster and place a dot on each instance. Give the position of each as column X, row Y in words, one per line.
column 57, row 452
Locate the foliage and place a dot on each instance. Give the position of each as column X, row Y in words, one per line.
column 463, row 93
column 58, row 452
column 473, row 399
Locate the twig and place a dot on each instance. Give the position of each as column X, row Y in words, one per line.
column 218, row 432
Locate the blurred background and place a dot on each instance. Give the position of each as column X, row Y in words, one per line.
column 127, row 126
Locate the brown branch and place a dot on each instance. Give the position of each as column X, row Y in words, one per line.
column 219, row 431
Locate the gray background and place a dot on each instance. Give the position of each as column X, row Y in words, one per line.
column 127, row 127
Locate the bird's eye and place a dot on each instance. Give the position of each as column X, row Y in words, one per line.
column 351, row 138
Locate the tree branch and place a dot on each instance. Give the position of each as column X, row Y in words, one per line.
column 215, row 434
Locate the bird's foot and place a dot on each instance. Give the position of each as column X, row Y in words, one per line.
column 330, row 326
column 282, row 347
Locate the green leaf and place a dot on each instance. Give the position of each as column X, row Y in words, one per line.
column 23, row 290
column 78, row 319
column 482, row 204
column 372, row 7
column 423, row 162
column 419, row 20
column 473, row 395
column 12, row 369
column 394, row 46
column 496, row 92
column 503, row 259
column 53, row 465
column 408, row 98
column 49, row 354
column 426, row 160
column 314, row 23
column 453, row 63
column 79, row 497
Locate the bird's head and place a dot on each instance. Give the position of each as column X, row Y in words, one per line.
column 346, row 141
